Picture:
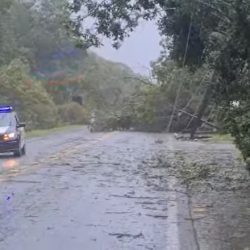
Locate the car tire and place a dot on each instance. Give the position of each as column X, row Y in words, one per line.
column 23, row 150
column 18, row 152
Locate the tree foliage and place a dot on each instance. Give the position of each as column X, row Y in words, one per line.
column 153, row 104
column 32, row 101
column 214, row 33
column 49, row 71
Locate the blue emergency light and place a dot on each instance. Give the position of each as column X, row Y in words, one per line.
column 5, row 109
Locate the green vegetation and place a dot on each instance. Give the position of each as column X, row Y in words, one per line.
column 52, row 131
column 33, row 103
column 211, row 35
column 222, row 138
column 50, row 81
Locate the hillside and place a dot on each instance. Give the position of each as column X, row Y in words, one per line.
column 42, row 69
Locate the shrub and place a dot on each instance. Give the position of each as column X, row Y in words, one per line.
column 238, row 124
column 72, row 113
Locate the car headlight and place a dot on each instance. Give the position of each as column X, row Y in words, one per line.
column 9, row 136
column 12, row 135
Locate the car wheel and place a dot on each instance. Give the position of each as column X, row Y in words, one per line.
column 18, row 152
column 24, row 150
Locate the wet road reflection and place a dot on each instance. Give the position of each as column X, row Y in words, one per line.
column 10, row 164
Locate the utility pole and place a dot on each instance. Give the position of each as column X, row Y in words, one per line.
column 204, row 104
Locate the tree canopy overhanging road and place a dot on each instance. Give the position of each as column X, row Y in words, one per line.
column 212, row 37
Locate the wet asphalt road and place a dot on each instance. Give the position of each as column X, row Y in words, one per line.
column 99, row 191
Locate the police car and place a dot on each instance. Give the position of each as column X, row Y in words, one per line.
column 12, row 134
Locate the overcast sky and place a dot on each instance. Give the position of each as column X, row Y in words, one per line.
column 137, row 51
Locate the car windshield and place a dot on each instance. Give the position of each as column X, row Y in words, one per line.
column 5, row 119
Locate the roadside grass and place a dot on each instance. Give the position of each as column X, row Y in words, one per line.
column 46, row 132
column 226, row 138
column 221, row 138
